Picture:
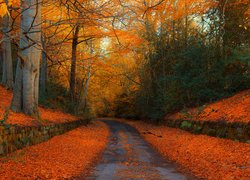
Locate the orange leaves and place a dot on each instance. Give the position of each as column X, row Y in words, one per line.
column 13, row 2
column 206, row 157
column 232, row 109
column 50, row 116
column 130, row 38
column 175, row 10
column 3, row 8
column 63, row 157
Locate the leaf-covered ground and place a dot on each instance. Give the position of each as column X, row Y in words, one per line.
column 128, row 157
column 47, row 115
column 233, row 109
column 204, row 156
column 66, row 156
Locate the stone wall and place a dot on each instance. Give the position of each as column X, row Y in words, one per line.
column 236, row 131
column 15, row 137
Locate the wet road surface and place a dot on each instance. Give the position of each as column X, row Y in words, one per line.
column 128, row 156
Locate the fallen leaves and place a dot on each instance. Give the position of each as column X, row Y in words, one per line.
column 233, row 109
column 47, row 115
column 206, row 157
column 63, row 157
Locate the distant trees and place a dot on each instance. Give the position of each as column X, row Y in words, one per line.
column 144, row 58
column 236, row 23
column 194, row 55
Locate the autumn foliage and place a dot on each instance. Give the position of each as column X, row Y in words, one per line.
column 48, row 116
column 141, row 59
column 63, row 157
column 233, row 109
column 206, row 157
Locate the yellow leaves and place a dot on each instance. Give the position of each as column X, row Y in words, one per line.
column 241, row 26
column 3, row 8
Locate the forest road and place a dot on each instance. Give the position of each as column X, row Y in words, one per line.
column 128, row 156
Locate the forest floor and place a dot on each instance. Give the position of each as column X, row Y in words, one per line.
column 170, row 154
column 135, row 149
column 67, row 156
column 204, row 156
column 48, row 116
column 232, row 109
column 128, row 156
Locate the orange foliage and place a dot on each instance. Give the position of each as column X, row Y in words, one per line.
column 47, row 115
column 233, row 109
column 206, row 157
column 4, row 6
column 63, row 157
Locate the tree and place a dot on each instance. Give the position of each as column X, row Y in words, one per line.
column 43, row 70
column 26, row 90
column 73, row 63
column 7, row 76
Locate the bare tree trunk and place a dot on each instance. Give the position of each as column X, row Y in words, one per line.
column 85, row 94
column 7, row 78
column 73, row 64
column 43, row 74
column 27, row 77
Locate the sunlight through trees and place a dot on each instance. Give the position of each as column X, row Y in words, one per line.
column 123, row 58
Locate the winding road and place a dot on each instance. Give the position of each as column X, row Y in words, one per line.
column 128, row 156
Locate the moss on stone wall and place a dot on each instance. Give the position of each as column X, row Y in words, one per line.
column 15, row 137
column 236, row 131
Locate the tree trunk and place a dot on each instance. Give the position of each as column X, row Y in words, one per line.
column 4, row 79
column 17, row 101
column 7, row 77
column 73, row 64
column 85, row 94
column 27, row 77
column 43, row 74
